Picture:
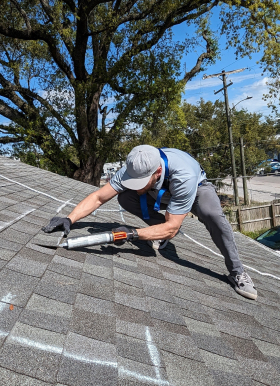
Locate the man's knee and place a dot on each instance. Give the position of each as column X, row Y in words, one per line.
column 212, row 215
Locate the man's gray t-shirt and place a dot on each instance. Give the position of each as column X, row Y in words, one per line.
column 184, row 176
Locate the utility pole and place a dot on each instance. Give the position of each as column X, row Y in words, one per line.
column 225, row 86
column 244, row 179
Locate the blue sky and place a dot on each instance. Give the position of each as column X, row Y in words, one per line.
column 250, row 82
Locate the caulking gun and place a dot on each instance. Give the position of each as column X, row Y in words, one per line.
column 96, row 239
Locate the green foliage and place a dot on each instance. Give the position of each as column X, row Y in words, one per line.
column 255, row 27
column 78, row 79
column 208, row 137
column 255, row 234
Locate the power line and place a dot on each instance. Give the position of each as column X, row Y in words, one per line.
column 233, row 63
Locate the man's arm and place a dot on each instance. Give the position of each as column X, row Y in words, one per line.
column 164, row 231
column 92, row 202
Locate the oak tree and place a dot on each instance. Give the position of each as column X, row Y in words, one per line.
column 76, row 74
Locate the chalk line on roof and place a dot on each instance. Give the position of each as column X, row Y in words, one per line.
column 120, row 210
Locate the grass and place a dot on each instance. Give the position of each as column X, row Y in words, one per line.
column 255, row 234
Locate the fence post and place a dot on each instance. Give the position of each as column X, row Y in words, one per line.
column 239, row 219
column 244, row 178
column 273, row 216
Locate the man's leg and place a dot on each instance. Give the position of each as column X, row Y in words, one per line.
column 130, row 201
column 208, row 209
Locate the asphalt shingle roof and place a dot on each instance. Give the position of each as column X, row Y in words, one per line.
column 124, row 316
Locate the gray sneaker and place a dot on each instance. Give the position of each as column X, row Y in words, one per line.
column 244, row 285
column 157, row 244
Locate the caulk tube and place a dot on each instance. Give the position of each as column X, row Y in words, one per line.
column 86, row 241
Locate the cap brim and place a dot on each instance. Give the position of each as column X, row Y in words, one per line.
column 134, row 183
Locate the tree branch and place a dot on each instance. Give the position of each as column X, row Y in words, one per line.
column 23, row 14
column 169, row 22
column 52, row 111
column 137, row 16
column 10, row 66
column 201, row 58
column 49, row 12
column 71, row 5
column 40, row 34
column 5, row 140
column 91, row 4
column 11, row 113
column 133, row 101
column 117, row 4
column 26, row 92
column 9, row 93
column 131, row 17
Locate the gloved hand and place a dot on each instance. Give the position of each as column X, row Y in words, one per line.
column 58, row 222
column 131, row 234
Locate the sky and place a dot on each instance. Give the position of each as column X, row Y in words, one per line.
column 249, row 82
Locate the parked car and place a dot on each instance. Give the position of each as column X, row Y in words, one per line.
column 270, row 238
column 269, row 166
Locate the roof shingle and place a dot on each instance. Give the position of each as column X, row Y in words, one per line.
column 124, row 315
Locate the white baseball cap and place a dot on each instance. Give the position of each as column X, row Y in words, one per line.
column 141, row 163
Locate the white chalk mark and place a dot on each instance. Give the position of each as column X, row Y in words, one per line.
column 121, row 210
column 63, row 205
column 6, row 299
column 261, row 273
column 153, row 352
column 34, row 190
column 89, row 360
column 80, row 358
column 58, row 200
column 36, row 345
column 60, row 237
column 7, row 224
column 196, row 242
column 218, row 254
column 143, row 378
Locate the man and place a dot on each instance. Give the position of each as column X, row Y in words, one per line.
column 172, row 180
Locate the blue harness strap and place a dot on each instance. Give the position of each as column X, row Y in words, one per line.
column 144, row 207
column 143, row 197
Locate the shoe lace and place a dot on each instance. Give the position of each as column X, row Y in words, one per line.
column 245, row 278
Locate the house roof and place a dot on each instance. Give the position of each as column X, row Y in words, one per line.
column 126, row 316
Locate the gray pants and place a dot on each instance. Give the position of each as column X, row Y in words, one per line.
column 207, row 208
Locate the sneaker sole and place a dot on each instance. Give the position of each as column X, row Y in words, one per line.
column 240, row 292
column 246, row 294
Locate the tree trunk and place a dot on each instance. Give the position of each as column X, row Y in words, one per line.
column 90, row 171
column 90, row 154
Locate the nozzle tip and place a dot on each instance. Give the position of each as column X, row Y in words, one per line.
column 62, row 245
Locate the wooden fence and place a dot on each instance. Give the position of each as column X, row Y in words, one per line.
column 250, row 219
